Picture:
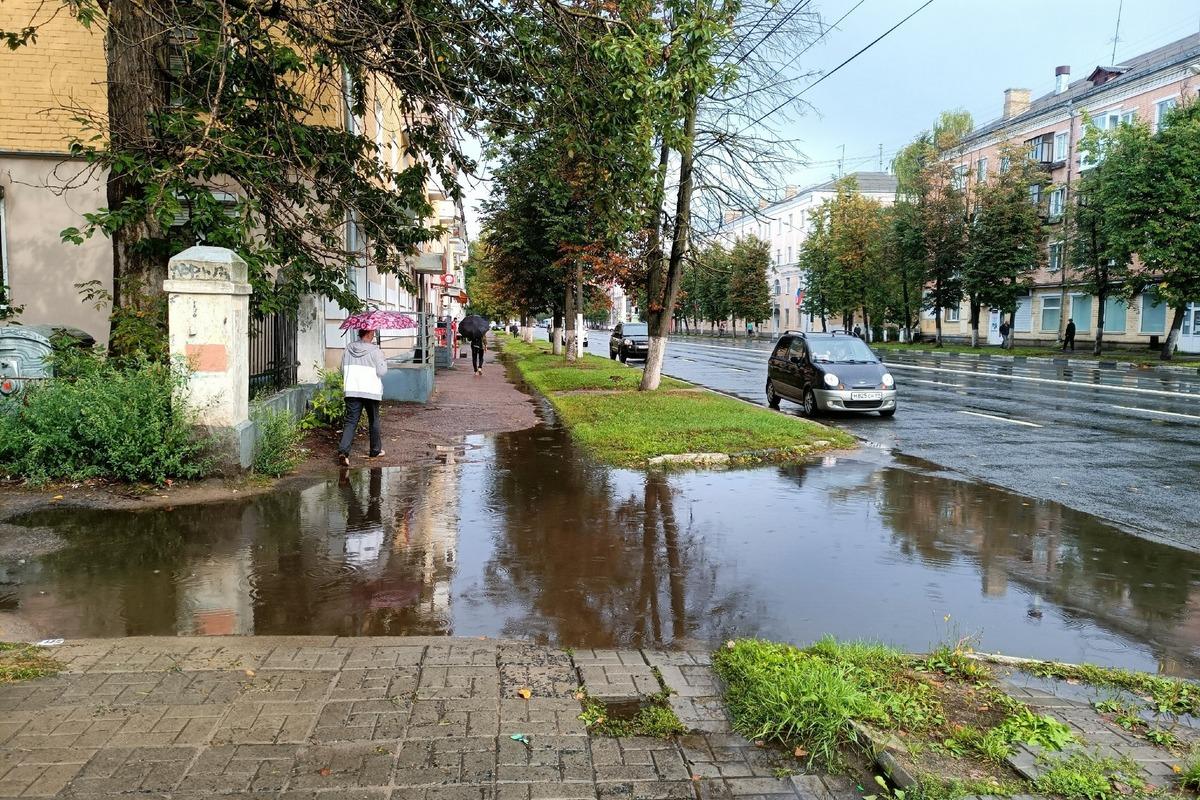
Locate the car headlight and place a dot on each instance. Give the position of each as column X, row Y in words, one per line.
column 831, row 379
column 629, row 341
column 888, row 380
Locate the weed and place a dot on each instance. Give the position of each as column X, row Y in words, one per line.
column 656, row 720
column 933, row 787
column 1163, row 738
column 1026, row 727
column 327, row 408
column 277, row 450
column 22, row 662
column 886, row 791
column 954, row 663
column 1189, row 773
column 1083, row 777
column 1165, row 695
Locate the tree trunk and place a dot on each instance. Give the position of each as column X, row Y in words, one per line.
column 556, row 334
column 1012, row 331
column 135, row 48
column 569, row 307
column 1101, row 300
column 975, row 309
column 937, row 323
column 577, row 345
column 658, row 275
column 866, row 325
column 1168, row 348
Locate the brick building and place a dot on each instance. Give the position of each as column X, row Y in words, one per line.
column 43, row 190
column 1142, row 88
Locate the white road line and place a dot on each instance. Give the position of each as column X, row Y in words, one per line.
column 1152, row 411
column 1053, row 381
column 938, row 383
column 1002, row 419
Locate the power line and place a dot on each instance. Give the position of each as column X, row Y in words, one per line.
column 793, row 98
column 811, row 44
column 796, row 9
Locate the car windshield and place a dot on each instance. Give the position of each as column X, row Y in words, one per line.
column 634, row 330
column 841, row 351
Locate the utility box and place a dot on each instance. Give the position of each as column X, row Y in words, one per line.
column 23, row 355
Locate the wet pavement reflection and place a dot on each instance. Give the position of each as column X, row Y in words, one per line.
column 519, row 535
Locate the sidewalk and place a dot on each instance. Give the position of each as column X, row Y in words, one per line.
column 304, row 718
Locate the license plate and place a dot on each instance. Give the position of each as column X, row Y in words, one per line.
column 866, row 395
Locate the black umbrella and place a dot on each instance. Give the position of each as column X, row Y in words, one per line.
column 474, row 326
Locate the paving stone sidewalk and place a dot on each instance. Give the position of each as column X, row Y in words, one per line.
column 305, row 718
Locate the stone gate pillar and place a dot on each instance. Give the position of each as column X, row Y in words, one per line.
column 208, row 320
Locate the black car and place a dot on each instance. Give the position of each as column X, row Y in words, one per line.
column 829, row 372
column 629, row 340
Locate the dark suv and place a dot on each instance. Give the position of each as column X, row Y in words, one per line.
column 829, row 372
column 629, row 340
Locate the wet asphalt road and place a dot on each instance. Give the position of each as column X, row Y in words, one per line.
column 1121, row 444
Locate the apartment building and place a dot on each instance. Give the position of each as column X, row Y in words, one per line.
column 43, row 190
column 785, row 224
column 1142, row 88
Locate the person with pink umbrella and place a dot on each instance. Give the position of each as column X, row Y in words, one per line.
column 363, row 368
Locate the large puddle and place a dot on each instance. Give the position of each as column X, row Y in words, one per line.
column 517, row 535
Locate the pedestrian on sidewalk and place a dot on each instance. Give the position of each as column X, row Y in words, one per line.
column 478, row 345
column 363, row 368
column 1069, row 336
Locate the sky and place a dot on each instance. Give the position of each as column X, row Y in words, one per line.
column 953, row 54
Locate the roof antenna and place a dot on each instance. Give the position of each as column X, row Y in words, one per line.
column 1117, row 33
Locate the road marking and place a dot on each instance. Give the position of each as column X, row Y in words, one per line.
column 938, row 383
column 1002, row 419
column 1153, row 411
column 1053, row 381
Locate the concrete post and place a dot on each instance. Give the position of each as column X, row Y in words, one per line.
column 208, row 302
column 310, row 340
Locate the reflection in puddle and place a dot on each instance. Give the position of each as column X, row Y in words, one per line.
column 517, row 535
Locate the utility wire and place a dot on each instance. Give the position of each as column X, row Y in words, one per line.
column 786, row 17
column 793, row 98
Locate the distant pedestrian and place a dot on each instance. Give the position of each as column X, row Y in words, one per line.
column 1069, row 336
column 478, row 345
column 1004, row 329
column 363, row 368
column 858, row 331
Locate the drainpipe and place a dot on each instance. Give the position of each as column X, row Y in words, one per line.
column 1064, row 311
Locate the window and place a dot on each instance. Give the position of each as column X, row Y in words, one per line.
column 959, row 179
column 790, row 222
column 1154, row 314
column 1056, row 256
column 1106, row 121
column 379, row 131
column 777, row 286
column 353, row 123
column 1035, row 193
column 780, row 226
column 781, row 349
column 778, row 257
column 981, row 170
column 1051, row 313
column 951, row 314
column 1041, row 148
column 395, row 153
column 787, row 317
column 789, row 259
column 1081, row 312
column 1114, row 315
column 1060, row 146
column 1161, row 108
column 1005, row 162
column 1057, row 200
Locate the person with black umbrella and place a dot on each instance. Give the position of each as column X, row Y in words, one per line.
column 475, row 328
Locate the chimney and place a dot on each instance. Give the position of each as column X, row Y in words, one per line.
column 1016, row 101
column 731, row 214
column 790, row 191
column 1062, row 78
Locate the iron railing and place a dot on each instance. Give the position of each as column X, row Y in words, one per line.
column 273, row 359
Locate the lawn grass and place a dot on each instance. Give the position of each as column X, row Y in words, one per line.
column 23, row 662
column 598, row 401
column 1145, row 358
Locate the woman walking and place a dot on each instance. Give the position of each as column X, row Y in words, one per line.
column 363, row 368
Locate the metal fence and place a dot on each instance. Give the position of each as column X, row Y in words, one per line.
column 273, row 359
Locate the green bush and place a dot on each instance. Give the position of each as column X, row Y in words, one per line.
column 102, row 421
column 328, row 405
column 277, row 450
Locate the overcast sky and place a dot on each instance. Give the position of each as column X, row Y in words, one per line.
column 953, row 54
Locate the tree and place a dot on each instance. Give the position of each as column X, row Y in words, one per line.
column 749, row 296
column 1149, row 197
column 904, row 255
column 1005, row 240
column 484, row 290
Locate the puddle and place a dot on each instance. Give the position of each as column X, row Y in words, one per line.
column 517, row 535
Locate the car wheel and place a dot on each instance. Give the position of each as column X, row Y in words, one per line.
column 810, row 403
column 772, row 398
column 887, row 412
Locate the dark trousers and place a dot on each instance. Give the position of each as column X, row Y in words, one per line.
column 354, row 409
column 1069, row 342
column 476, row 356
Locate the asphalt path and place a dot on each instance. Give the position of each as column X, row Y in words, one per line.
column 1120, row 444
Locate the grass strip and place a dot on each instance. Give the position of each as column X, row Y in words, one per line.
column 597, row 399
column 1165, row 695
column 1143, row 358
column 23, row 662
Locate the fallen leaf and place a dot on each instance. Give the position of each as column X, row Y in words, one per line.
column 250, row 673
column 524, row 693
column 800, row 752
column 984, row 709
column 730, row 645
column 760, row 743
column 324, row 772
column 580, row 695
column 58, row 497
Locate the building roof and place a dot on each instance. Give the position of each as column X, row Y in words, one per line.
column 868, row 183
column 1130, row 70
